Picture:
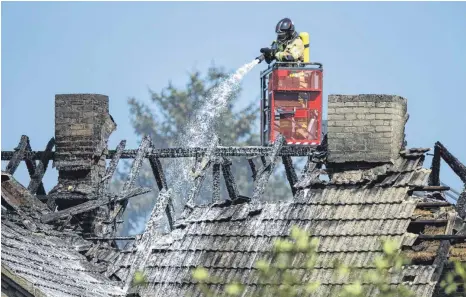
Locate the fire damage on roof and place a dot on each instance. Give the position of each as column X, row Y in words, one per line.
column 62, row 243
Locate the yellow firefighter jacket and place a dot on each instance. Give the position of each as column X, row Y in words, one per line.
column 293, row 49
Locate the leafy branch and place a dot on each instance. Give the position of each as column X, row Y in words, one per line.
column 278, row 275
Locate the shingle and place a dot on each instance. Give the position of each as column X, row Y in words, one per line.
column 386, row 173
column 420, row 177
column 390, row 179
column 227, row 213
column 353, row 243
column 251, row 276
column 405, row 165
column 324, row 290
column 341, row 196
column 423, row 274
column 315, row 227
column 247, row 259
column 338, row 212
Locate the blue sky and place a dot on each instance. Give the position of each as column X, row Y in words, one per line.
column 120, row 49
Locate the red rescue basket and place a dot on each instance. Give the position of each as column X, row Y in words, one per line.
column 291, row 103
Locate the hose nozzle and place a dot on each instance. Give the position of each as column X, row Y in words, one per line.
column 260, row 58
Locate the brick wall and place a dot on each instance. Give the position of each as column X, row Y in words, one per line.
column 365, row 128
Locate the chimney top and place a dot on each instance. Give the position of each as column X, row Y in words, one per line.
column 365, row 128
column 82, row 128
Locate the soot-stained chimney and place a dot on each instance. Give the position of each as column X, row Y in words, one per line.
column 82, row 128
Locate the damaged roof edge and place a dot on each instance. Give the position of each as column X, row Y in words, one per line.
column 20, row 283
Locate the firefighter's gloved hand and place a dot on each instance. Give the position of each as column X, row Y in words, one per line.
column 266, row 51
column 268, row 59
column 283, row 56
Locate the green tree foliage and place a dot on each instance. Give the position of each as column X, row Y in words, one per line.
column 454, row 278
column 282, row 270
column 385, row 266
column 165, row 116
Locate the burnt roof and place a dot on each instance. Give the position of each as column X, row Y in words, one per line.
column 44, row 261
column 349, row 214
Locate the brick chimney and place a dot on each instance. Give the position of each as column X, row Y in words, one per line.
column 365, row 128
column 82, row 127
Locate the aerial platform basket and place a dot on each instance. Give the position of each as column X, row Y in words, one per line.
column 291, row 103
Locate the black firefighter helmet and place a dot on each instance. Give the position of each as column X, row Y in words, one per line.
column 285, row 30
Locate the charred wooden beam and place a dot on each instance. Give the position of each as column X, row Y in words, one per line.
column 113, row 222
column 216, row 182
column 114, row 163
column 440, row 259
column 157, row 170
column 264, row 175
column 431, row 188
column 111, row 238
column 46, row 158
column 200, row 170
column 253, row 168
column 111, row 171
column 18, row 155
column 264, row 161
column 441, row 237
column 453, row 162
column 65, row 223
column 35, row 185
column 31, row 165
column 170, row 212
column 230, row 183
column 430, row 222
column 246, row 151
column 91, row 205
column 51, row 203
column 33, row 155
column 144, row 146
column 310, row 173
column 432, row 204
column 461, row 204
column 290, row 173
column 161, row 180
column 104, row 190
column 443, row 250
column 434, row 179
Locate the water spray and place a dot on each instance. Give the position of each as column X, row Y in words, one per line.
column 200, row 131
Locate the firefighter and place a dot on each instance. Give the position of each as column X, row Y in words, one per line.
column 288, row 47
